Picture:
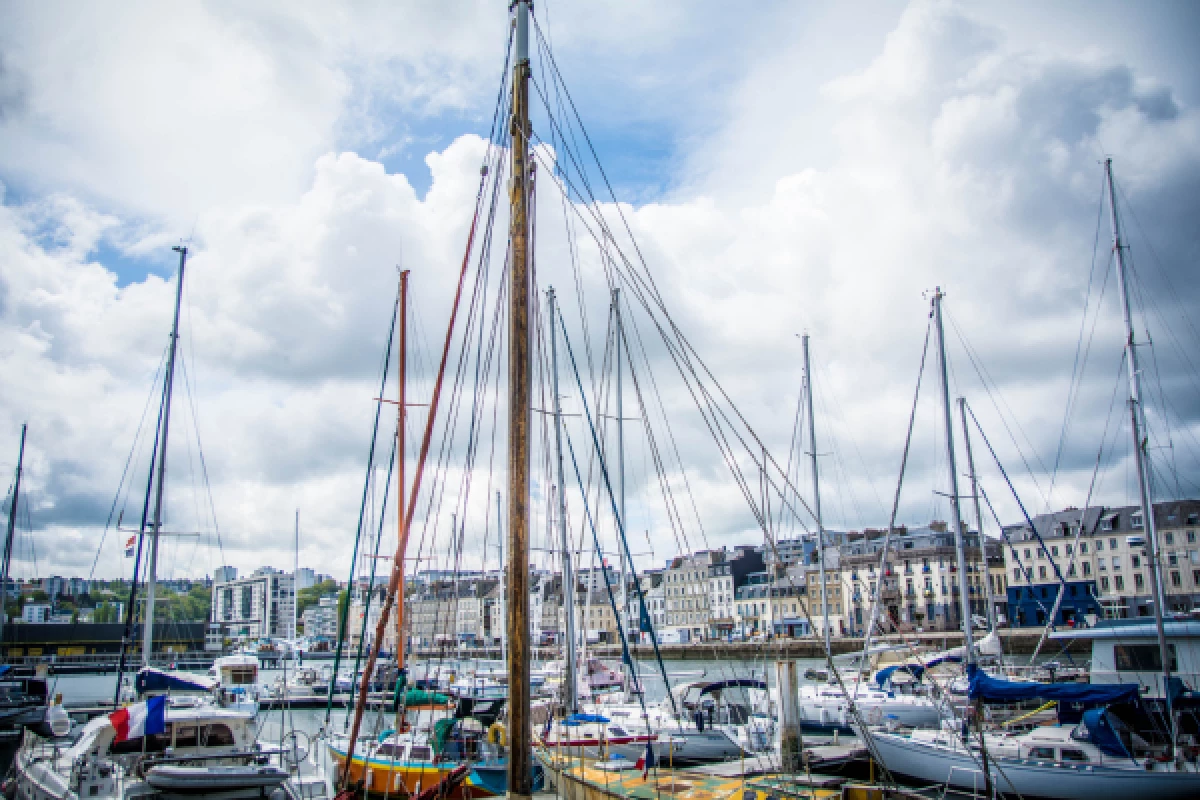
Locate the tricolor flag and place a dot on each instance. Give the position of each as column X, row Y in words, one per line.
column 129, row 546
column 140, row 719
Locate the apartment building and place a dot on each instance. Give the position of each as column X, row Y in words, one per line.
column 257, row 606
column 1099, row 559
column 919, row 586
column 687, row 592
column 725, row 574
column 321, row 620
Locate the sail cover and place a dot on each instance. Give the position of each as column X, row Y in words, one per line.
column 1103, row 730
column 150, row 679
column 989, row 689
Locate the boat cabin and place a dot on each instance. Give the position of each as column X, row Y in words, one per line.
column 1127, row 651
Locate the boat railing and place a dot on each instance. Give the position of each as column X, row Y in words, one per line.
column 978, row 784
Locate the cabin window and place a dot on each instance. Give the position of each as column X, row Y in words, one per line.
column 420, row 753
column 1069, row 755
column 155, row 743
column 616, row 731
column 1141, row 657
column 1042, row 753
column 388, row 751
column 217, row 736
column 187, row 736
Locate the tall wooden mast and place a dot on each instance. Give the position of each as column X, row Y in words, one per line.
column 520, row 774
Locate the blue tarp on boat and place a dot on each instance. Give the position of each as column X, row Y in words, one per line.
column 150, row 679
column 1103, row 731
column 580, row 719
column 989, row 689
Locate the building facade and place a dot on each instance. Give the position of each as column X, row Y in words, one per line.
column 258, row 606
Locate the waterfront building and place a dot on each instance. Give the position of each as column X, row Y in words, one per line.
column 257, row 606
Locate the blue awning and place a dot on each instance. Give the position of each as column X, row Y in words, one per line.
column 150, row 679
column 1102, row 729
column 580, row 719
column 989, row 689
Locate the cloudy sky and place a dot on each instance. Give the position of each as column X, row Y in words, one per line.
column 798, row 167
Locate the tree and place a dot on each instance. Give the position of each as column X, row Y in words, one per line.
column 306, row 598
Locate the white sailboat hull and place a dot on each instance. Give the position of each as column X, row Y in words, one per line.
column 938, row 765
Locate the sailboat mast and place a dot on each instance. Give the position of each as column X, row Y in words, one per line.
column 156, row 528
column 568, row 580
column 620, row 334
column 11, row 534
column 960, row 541
column 816, row 495
column 1137, row 414
column 987, row 575
column 520, row 767
column 402, row 377
column 295, row 577
column 503, row 590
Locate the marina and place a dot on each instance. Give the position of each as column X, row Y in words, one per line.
column 642, row 491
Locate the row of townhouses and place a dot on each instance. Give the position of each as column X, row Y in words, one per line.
column 1073, row 566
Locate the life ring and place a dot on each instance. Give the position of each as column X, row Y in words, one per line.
column 497, row 734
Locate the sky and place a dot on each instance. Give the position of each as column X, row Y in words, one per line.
column 797, row 167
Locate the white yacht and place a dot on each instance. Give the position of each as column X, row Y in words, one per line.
column 204, row 750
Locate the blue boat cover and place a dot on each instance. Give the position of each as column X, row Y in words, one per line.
column 1102, row 730
column 4, row 668
column 884, row 675
column 580, row 719
column 987, row 688
column 150, row 679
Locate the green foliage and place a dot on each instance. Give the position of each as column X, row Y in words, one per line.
column 106, row 613
column 306, row 598
column 195, row 606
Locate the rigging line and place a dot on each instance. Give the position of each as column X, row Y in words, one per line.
column 366, row 612
column 993, row 394
column 1129, row 209
column 342, row 625
column 1076, row 369
column 128, row 461
column 686, row 360
column 1028, row 520
column 1026, row 571
column 877, row 600
column 604, row 567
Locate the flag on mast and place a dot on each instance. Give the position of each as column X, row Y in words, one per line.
column 129, row 546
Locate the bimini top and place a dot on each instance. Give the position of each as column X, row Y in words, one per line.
column 984, row 687
column 708, row 687
column 1142, row 628
column 150, row 679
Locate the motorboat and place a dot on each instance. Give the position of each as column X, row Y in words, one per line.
column 237, row 680
column 216, row 745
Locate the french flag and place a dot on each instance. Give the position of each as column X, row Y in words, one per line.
column 129, row 546
column 140, row 719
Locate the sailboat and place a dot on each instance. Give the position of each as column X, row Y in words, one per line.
column 1110, row 742
column 195, row 747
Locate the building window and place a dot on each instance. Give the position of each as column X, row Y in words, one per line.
column 1026, row 553
column 1087, row 568
column 1099, row 545
column 1112, row 544
column 1135, row 520
column 1109, row 523
column 1100, row 564
column 1042, row 573
column 1016, row 574
column 1135, row 561
column 1170, row 538
column 1191, row 537
column 1119, row 582
column 1083, row 548
column 1104, row 583
column 1054, row 550
column 1172, row 559
column 1137, row 580
column 1116, row 563
column 1176, row 580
